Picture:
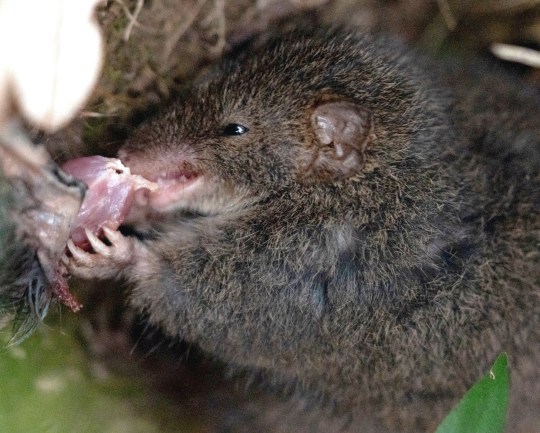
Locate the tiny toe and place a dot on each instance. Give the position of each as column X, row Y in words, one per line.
column 97, row 245
column 114, row 236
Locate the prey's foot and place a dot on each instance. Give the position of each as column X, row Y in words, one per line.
column 106, row 261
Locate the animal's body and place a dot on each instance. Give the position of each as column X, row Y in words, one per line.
column 344, row 218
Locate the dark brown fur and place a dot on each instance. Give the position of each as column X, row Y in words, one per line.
column 388, row 291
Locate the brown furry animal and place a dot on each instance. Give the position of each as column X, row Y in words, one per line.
column 340, row 216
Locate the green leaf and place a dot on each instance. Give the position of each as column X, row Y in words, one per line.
column 483, row 408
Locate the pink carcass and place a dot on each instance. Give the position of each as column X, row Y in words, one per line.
column 110, row 194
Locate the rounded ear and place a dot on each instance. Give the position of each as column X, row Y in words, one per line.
column 342, row 131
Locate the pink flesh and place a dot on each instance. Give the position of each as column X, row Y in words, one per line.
column 110, row 194
column 61, row 290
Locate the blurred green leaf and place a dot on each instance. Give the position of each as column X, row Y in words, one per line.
column 483, row 408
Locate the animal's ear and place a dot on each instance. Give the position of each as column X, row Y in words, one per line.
column 342, row 131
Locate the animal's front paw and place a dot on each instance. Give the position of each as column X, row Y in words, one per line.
column 106, row 261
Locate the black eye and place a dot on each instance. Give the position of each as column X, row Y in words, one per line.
column 234, row 129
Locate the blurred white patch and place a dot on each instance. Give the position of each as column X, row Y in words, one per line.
column 517, row 54
column 50, row 384
column 50, row 56
column 17, row 352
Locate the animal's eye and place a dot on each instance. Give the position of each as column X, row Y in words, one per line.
column 234, row 129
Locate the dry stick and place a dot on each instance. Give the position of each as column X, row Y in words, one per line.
column 447, row 15
column 95, row 114
column 173, row 40
column 133, row 19
column 514, row 53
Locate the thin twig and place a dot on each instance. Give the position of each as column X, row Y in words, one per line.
column 514, row 53
column 182, row 29
column 95, row 114
column 447, row 14
column 133, row 19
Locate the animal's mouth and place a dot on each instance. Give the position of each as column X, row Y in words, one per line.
column 174, row 189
